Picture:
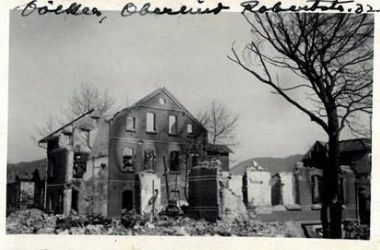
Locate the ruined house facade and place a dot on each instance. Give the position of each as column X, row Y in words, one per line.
column 298, row 190
column 142, row 154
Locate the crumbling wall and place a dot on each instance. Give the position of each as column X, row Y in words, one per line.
column 288, row 194
column 204, row 193
column 258, row 188
column 91, row 190
column 56, row 195
column 348, row 186
column 304, row 185
column 210, row 193
column 13, row 196
column 235, row 184
column 233, row 205
column 116, row 188
column 26, row 194
column 150, row 192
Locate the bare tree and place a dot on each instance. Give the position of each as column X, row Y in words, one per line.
column 50, row 124
column 332, row 54
column 83, row 99
column 220, row 123
column 88, row 97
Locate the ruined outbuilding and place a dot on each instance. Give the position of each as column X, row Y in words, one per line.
column 26, row 185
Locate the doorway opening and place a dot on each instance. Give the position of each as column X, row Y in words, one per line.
column 127, row 200
column 74, row 200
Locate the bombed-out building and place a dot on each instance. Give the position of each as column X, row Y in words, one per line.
column 354, row 173
column 138, row 158
column 296, row 189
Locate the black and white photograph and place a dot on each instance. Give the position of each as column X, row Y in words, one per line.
column 150, row 121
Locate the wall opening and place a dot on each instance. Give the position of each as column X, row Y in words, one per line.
column 316, row 187
column 74, row 200
column 296, row 190
column 50, row 202
column 127, row 200
column 277, row 193
column 80, row 164
column 174, row 161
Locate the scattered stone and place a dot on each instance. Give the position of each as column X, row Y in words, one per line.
column 35, row 221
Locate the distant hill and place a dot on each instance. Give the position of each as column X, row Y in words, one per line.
column 272, row 164
column 25, row 170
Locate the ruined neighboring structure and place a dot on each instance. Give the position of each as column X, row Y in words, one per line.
column 25, row 185
column 77, row 171
column 354, row 177
column 296, row 190
column 138, row 160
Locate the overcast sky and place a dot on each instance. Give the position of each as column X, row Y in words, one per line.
column 130, row 57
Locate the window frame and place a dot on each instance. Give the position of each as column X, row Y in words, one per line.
column 150, row 160
column 51, row 168
column 147, row 123
column 316, row 199
column 178, row 167
column 132, row 158
column 192, row 129
column 87, row 134
column 175, row 123
column 79, row 164
column 127, row 128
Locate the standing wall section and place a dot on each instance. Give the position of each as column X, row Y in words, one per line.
column 204, row 196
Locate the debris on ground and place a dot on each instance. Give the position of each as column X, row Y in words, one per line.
column 35, row 221
column 354, row 230
column 29, row 221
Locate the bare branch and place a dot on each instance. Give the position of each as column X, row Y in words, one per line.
column 220, row 123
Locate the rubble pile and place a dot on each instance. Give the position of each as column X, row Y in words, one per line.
column 29, row 221
column 35, row 221
column 353, row 230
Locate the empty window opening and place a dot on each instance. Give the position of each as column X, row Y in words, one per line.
column 341, row 189
column 131, row 124
column 277, row 193
column 194, row 160
column 51, row 166
column 50, row 202
column 316, row 187
column 84, row 137
column 59, row 204
column 174, row 161
column 149, row 159
column 74, row 200
column 296, row 189
column 150, row 122
column 189, row 128
column 128, row 154
column 80, row 164
column 172, row 124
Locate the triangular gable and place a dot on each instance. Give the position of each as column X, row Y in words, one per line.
column 153, row 100
column 318, row 146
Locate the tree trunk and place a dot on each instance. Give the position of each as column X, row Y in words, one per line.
column 331, row 213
